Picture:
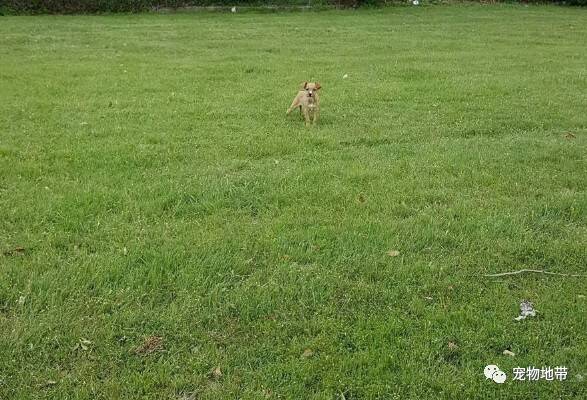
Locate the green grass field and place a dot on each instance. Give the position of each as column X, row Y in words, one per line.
column 152, row 186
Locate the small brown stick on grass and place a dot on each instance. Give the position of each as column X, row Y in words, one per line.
column 538, row 271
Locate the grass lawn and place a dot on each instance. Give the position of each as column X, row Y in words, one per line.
column 153, row 190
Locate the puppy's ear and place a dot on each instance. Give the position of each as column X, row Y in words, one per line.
column 318, row 86
column 304, row 84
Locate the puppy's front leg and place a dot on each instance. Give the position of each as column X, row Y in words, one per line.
column 306, row 115
column 316, row 116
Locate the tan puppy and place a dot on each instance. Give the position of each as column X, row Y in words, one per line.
column 308, row 101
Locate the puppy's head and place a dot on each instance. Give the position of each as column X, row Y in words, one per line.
column 311, row 88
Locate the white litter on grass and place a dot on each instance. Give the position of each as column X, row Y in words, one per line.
column 526, row 310
column 233, row 9
column 415, row 2
column 345, row 76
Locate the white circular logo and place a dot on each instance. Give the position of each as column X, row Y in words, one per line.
column 493, row 372
column 498, row 377
column 490, row 370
